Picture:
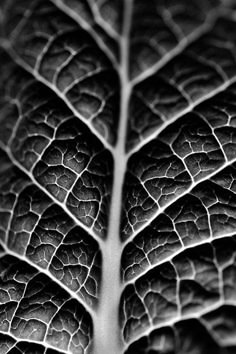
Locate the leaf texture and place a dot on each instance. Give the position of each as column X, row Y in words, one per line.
column 117, row 177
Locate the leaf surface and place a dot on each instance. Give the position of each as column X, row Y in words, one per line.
column 117, row 177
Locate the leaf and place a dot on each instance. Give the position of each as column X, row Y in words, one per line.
column 117, row 177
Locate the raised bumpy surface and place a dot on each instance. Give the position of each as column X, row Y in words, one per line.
column 117, row 177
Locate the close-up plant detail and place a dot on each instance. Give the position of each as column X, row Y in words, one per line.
column 117, row 177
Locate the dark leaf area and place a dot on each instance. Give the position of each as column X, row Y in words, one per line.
column 36, row 309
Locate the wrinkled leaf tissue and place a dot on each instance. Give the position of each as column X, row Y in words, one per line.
column 117, row 177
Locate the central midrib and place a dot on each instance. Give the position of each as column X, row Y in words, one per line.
column 107, row 332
